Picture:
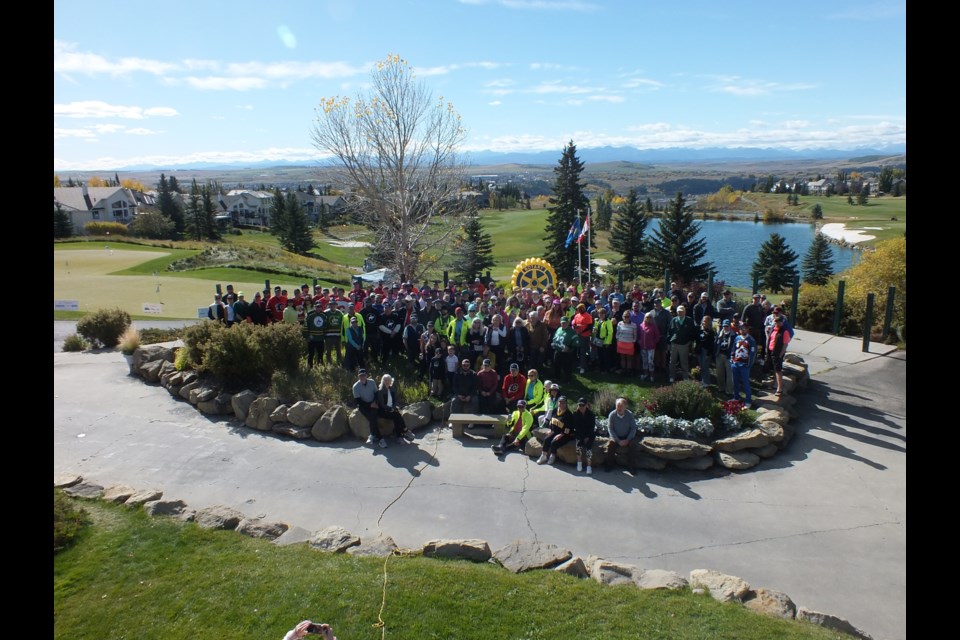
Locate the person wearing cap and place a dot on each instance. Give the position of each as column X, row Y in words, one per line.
column 584, row 433
column 465, row 389
column 681, row 334
column 565, row 343
column 488, row 388
column 519, row 425
column 411, row 339
column 561, row 432
column 315, row 330
column 723, row 346
column 391, row 324
column 371, row 322
column 241, row 308
column 702, row 308
column 741, row 360
column 550, row 403
column 726, row 307
column 365, row 395
column 457, row 331
column 333, row 330
column 276, row 304
column 514, row 386
column 754, row 315
column 216, row 311
column 354, row 337
column 622, row 429
column 582, row 325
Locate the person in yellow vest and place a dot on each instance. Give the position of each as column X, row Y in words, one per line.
column 602, row 340
column 519, row 426
column 457, row 331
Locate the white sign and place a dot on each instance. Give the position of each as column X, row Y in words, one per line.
column 152, row 307
column 202, row 312
column 66, row 305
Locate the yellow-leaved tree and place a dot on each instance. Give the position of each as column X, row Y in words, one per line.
column 877, row 271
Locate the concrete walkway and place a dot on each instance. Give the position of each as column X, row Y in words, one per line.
column 824, row 521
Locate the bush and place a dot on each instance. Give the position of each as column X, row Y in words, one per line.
column 130, row 341
column 104, row 326
column 152, row 335
column 604, row 401
column 68, row 520
column 104, row 228
column 153, row 225
column 290, row 387
column 281, row 346
column 73, row 342
column 818, row 304
column 180, row 359
column 234, row 356
column 685, row 399
column 197, row 339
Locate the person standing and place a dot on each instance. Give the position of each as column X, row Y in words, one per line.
column 723, row 347
column 622, row 429
column 539, row 340
column 626, row 342
column 354, row 339
column 438, row 373
column 276, row 304
column 258, row 310
column 332, row 332
column 648, row 336
column 726, row 307
column 365, row 395
column 241, row 308
column 411, row 339
column 705, row 344
column 564, row 343
column 777, row 348
column 316, row 329
column 602, row 339
column 681, row 333
column 582, row 325
column 519, row 425
column 753, row 314
column 585, row 432
column 741, row 360
column 215, row 311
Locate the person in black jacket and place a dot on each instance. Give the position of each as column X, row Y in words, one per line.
column 561, row 432
column 681, row 332
column 706, row 342
column 585, row 431
column 388, row 406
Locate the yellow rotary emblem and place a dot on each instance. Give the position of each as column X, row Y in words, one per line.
column 534, row 273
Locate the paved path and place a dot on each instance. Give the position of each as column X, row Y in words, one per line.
column 824, row 521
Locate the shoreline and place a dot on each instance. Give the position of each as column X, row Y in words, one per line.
column 838, row 232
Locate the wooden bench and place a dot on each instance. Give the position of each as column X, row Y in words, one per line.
column 457, row 420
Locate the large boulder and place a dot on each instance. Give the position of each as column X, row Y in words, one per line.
column 119, row 493
column 465, row 549
column 84, row 490
column 334, row 539
column 138, row 498
column 773, row 430
column 527, row 555
column 751, row 439
column 220, row 405
column 202, row 393
column 441, row 412
column 359, row 425
column 694, row 464
column 417, row 414
column 150, row 353
column 674, row 448
column 573, row 567
column 291, row 430
column 721, row 586
column 533, row 448
column 304, row 414
column 257, row 528
column 166, row 369
column 188, row 388
column 768, row 451
column 258, row 416
column 150, row 371
column 643, row 460
column 660, row 579
column 831, row 622
column 241, row 403
column 165, row 507
column 379, row 547
column 66, row 480
column 218, row 517
column 771, row 603
column 738, row 460
column 332, row 425
column 279, row 414
column 607, row 572
column 568, row 452
column 773, row 414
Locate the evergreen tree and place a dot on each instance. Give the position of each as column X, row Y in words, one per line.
column 210, row 229
column 862, row 196
column 168, row 206
column 817, row 212
column 626, row 238
column 62, row 224
column 776, row 264
column 174, row 185
column 194, row 215
column 674, row 246
column 474, row 251
column 278, row 214
column 648, row 206
column 566, row 202
column 296, row 235
column 817, row 264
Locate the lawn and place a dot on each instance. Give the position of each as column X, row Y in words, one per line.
column 133, row 575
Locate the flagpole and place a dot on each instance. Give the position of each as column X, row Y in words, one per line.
column 589, row 231
column 579, row 255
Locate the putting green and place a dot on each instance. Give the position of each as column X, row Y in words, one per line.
column 83, row 275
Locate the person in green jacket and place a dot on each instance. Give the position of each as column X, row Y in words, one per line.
column 602, row 340
column 681, row 334
column 519, row 426
column 333, row 333
column 533, row 392
column 564, row 343
column 315, row 327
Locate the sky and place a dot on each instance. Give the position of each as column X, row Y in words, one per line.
column 180, row 82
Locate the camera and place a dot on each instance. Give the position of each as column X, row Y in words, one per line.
column 315, row 628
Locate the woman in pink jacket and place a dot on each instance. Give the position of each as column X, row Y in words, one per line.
column 647, row 337
column 777, row 348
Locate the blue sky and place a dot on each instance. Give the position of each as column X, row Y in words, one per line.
column 181, row 82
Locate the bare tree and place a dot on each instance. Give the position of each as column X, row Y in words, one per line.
column 398, row 149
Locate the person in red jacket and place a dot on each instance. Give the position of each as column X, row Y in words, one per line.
column 276, row 304
column 583, row 326
column 514, row 385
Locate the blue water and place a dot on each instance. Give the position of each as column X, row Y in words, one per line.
column 732, row 246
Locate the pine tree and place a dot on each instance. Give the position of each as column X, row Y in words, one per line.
column 168, row 206
column 210, row 229
column 626, row 238
column 296, row 235
column 567, row 201
column 474, row 251
column 674, row 246
column 278, row 214
column 62, row 224
column 194, row 215
column 776, row 264
column 817, row 264
column 648, row 206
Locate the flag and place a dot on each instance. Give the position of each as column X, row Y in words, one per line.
column 574, row 232
column 585, row 230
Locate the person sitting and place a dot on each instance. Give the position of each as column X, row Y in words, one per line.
column 514, row 386
column 388, row 406
column 585, row 431
column 488, row 388
column 622, row 429
column 561, row 432
column 550, row 404
column 519, row 426
column 533, row 392
column 365, row 395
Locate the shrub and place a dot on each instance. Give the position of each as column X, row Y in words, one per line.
column 130, row 341
column 153, row 225
column 153, row 335
column 334, row 384
column 817, row 306
column 73, row 342
column 197, row 339
column 180, row 359
column 290, row 387
column 281, row 346
column 105, row 228
column 104, row 326
column 604, row 401
column 68, row 520
column 685, row 399
column 234, row 356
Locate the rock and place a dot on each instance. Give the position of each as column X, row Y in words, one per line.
column 190, row 376
column 293, row 535
column 774, row 414
column 644, row 460
column 417, row 414
column 527, row 555
column 441, row 412
column 771, row 429
column 202, row 393
column 607, row 572
column 465, row 549
column 150, row 353
column 738, row 460
column 291, row 430
column 140, row 497
column 219, row 406
column 694, row 464
column 533, row 448
column 164, row 507
column 150, row 371
column 332, row 425
column 573, row 567
column 660, row 579
column 258, row 416
column 568, row 453
column 788, row 432
column 187, row 515
column 722, row 587
column 241, row 403
column 84, row 490
column 751, row 439
column 66, row 480
column 166, row 370
column 768, row 451
column 540, row 433
column 218, row 517
column 118, row 493
column 187, row 388
column 334, row 539
column 279, row 414
column 789, row 384
column 794, row 358
column 172, row 379
column 359, row 425
column 771, row 603
column 674, row 448
column 304, row 414
column 380, row 547
column 830, row 622
column 257, row 528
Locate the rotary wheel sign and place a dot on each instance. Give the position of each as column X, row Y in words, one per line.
column 534, row 273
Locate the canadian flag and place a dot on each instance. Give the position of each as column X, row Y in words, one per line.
column 585, row 229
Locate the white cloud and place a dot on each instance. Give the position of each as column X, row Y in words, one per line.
column 286, row 37
column 606, row 98
column 140, row 131
column 59, row 132
column 67, row 60
column 220, row 83
column 796, row 124
column 495, row 103
column 107, row 128
column 556, row 87
column 294, row 69
column 99, row 109
column 738, row 86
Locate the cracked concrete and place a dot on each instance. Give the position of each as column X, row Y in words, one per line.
column 823, row 521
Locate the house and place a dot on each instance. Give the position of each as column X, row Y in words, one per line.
column 330, row 206
column 246, row 206
column 819, row 187
column 96, row 204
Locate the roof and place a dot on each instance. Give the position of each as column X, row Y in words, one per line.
column 73, row 197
